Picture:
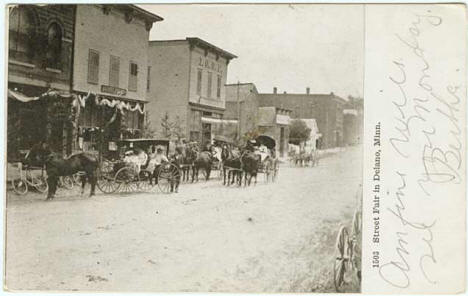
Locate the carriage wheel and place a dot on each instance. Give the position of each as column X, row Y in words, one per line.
column 167, row 176
column 106, row 183
column 342, row 259
column 40, row 183
column 19, row 186
column 144, row 181
column 127, row 178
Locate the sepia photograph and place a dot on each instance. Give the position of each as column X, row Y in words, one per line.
column 184, row 148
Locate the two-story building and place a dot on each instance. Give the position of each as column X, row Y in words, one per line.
column 187, row 91
column 40, row 46
column 111, row 72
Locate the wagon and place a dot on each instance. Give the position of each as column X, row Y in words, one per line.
column 120, row 176
column 269, row 166
column 347, row 259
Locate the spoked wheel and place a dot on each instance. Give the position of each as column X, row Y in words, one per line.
column 167, row 177
column 127, row 178
column 105, row 180
column 41, row 185
column 341, row 264
column 144, row 181
column 19, row 186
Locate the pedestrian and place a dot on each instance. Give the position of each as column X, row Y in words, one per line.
column 158, row 159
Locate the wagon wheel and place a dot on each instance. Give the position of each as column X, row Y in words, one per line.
column 144, row 181
column 106, row 182
column 167, row 176
column 19, row 186
column 40, row 183
column 127, row 178
column 342, row 259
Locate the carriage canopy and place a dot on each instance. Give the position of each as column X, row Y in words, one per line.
column 268, row 141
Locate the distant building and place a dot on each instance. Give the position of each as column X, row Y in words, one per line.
column 353, row 116
column 111, row 64
column 40, row 43
column 326, row 109
column 242, row 104
column 186, row 88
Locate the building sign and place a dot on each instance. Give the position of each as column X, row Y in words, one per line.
column 210, row 65
column 113, row 90
column 282, row 119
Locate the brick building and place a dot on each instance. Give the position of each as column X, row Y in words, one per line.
column 326, row 109
column 187, row 90
column 40, row 46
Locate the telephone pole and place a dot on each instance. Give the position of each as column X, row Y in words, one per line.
column 238, row 113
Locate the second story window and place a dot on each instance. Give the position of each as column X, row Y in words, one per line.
column 218, row 87
column 93, row 67
column 148, row 79
column 199, row 81
column 210, row 78
column 114, row 71
column 133, row 77
column 54, row 46
column 22, row 33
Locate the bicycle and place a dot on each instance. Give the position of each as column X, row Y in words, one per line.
column 27, row 179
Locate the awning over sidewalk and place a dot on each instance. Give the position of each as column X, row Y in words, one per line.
column 222, row 128
column 218, row 121
column 20, row 97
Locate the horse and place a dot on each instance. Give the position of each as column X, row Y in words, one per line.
column 231, row 160
column 57, row 166
column 203, row 160
column 186, row 161
column 250, row 163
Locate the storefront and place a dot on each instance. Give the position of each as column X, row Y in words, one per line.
column 36, row 114
column 104, row 120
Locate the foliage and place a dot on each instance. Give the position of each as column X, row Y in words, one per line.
column 298, row 131
column 172, row 128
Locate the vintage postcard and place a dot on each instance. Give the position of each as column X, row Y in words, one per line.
column 235, row 148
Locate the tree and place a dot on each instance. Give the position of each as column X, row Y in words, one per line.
column 172, row 129
column 298, row 131
column 148, row 131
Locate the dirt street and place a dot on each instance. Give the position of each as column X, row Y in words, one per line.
column 276, row 237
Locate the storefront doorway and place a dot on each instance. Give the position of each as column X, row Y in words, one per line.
column 206, row 135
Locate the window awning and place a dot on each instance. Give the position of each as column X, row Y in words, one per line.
column 217, row 120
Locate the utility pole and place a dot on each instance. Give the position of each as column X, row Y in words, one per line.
column 238, row 113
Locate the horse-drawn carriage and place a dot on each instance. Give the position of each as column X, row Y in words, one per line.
column 258, row 157
column 268, row 162
column 139, row 168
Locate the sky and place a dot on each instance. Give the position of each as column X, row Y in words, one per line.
column 290, row 47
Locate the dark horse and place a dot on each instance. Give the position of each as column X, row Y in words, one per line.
column 186, row 158
column 57, row 166
column 250, row 163
column 231, row 163
column 203, row 160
